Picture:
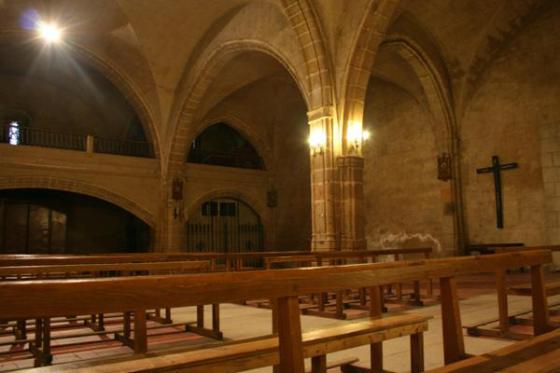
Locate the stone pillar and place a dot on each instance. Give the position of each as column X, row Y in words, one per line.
column 324, row 180
column 352, row 222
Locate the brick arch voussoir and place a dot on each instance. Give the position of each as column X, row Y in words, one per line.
column 304, row 22
column 128, row 89
column 74, row 186
column 434, row 84
column 210, row 70
column 361, row 62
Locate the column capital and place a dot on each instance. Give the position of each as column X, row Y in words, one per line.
column 320, row 113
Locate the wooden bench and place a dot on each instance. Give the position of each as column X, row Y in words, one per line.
column 53, row 298
column 318, row 307
column 505, row 320
column 537, row 354
column 551, row 288
column 492, row 248
column 40, row 346
column 264, row 351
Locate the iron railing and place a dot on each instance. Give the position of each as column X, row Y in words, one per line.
column 238, row 159
column 123, row 147
column 20, row 135
column 41, row 137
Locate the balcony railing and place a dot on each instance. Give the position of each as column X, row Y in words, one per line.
column 123, row 147
column 18, row 135
column 237, row 159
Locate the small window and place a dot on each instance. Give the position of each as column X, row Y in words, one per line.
column 14, row 133
column 210, row 208
column 227, row 209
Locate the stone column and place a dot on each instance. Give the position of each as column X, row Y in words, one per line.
column 352, row 229
column 324, row 180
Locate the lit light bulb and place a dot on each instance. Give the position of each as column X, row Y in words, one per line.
column 365, row 135
column 49, row 32
column 354, row 133
column 317, row 141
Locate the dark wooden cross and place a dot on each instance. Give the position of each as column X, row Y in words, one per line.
column 496, row 169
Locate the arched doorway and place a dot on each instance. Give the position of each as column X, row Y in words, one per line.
column 43, row 221
column 225, row 225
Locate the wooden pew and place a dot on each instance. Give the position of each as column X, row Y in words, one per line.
column 58, row 297
column 42, row 259
column 342, row 257
column 538, row 354
column 90, row 270
column 263, row 352
column 492, row 248
column 40, row 347
column 502, row 289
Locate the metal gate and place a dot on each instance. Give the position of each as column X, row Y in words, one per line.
column 225, row 225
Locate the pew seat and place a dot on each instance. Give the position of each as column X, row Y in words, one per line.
column 551, row 289
column 256, row 353
column 537, row 354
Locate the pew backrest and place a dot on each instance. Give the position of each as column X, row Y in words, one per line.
column 57, row 297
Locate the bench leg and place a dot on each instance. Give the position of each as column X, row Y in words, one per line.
column 274, row 307
column 540, row 306
column 126, row 325
column 200, row 316
column 319, row 364
column 140, row 332
column 340, row 305
column 21, row 329
column 501, row 288
column 417, row 353
column 216, row 319
column 453, row 341
column 376, row 310
column 41, row 349
column 417, row 297
column 289, row 336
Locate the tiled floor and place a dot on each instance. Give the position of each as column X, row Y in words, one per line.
column 478, row 303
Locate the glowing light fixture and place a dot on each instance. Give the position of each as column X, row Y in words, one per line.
column 317, row 141
column 49, row 32
column 356, row 136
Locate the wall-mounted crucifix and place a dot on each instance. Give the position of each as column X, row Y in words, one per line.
column 496, row 169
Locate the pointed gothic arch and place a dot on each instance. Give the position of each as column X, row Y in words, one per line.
column 220, row 144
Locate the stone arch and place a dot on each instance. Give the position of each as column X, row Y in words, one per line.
column 303, row 19
column 361, row 61
column 120, row 80
column 74, row 186
column 243, row 128
column 217, row 59
column 437, row 92
column 434, row 85
column 128, row 89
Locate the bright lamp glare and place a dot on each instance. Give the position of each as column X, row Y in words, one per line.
column 49, row 32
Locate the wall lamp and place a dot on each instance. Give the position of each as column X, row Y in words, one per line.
column 317, row 141
column 356, row 136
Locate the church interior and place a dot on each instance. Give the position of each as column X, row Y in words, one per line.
column 279, row 186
